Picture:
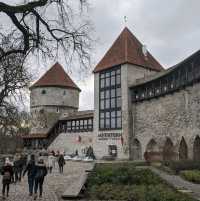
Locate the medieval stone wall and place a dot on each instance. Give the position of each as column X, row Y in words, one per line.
column 168, row 127
column 70, row 142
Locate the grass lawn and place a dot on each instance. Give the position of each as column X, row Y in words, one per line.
column 123, row 181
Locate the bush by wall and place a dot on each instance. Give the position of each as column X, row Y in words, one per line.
column 191, row 175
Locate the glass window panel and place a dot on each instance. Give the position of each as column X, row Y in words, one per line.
column 107, row 123
column 102, row 115
column 118, row 92
column 85, row 121
column 77, row 122
column 112, row 80
column 118, row 71
column 73, row 123
column 101, row 123
column 89, row 121
column 113, row 123
column 102, row 95
column 113, row 114
column 107, row 103
column 108, row 74
column 112, row 93
column 119, row 102
column 68, row 123
column 81, row 122
column 113, row 105
column 102, row 75
column 118, row 79
column 107, row 93
column 107, row 114
column 102, row 83
column 107, row 81
column 119, row 122
column 102, row 104
column 113, row 73
column 119, row 113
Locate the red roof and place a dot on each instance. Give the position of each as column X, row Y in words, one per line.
column 55, row 76
column 127, row 49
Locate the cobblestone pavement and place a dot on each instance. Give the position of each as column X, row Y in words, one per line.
column 179, row 183
column 54, row 185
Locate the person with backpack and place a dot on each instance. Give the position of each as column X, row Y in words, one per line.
column 41, row 172
column 61, row 163
column 7, row 172
column 31, row 171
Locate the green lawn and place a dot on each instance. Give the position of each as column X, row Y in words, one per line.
column 123, row 181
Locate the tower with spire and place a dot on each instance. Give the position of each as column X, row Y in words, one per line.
column 126, row 61
column 53, row 95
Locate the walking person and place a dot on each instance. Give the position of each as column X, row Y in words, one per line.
column 41, row 172
column 61, row 163
column 50, row 162
column 31, row 171
column 7, row 172
column 20, row 167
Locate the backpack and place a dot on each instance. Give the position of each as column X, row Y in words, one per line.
column 6, row 176
column 40, row 173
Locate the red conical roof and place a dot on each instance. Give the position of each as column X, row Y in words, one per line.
column 55, row 77
column 127, row 49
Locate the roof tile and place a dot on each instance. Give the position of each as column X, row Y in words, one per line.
column 127, row 49
column 56, row 76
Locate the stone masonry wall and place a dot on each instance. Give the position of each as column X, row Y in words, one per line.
column 69, row 143
column 172, row 116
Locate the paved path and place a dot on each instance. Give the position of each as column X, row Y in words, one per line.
column 55, row 184
column 179, row 183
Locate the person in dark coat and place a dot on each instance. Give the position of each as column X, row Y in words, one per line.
column 31, row 171
column 61, row 162
column 41, row 172
column 7, row 172
column 20, row 167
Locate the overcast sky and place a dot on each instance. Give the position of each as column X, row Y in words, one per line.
column 169, row 29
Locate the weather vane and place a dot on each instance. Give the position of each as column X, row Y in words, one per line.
column 125, row 19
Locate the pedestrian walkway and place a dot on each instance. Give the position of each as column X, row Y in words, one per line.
column 179, row 183
column 54, row 186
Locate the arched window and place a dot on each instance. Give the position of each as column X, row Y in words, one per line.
column 43, row 92
column 183, row 150
column 196, row 149
column 168, row 150
column 137, row 150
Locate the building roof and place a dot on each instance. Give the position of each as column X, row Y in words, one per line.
column 156, row 76
column 55, row 77
column 127, row 49
column 79, row 115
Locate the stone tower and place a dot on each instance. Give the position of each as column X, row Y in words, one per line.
column 53, row 95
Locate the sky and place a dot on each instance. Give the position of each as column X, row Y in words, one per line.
column 169, row 29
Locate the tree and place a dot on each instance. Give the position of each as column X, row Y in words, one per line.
column 47, row 26
column 42, row 27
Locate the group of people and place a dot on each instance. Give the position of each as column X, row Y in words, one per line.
column 36, row 171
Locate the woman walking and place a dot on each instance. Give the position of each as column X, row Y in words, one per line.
column 61, row 163
column 31, row 171
column 7, row 172
column 41, row 172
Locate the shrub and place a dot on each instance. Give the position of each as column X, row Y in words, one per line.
column 127, row 175
column 178, row 166
column 191, row 175
column 158, row 192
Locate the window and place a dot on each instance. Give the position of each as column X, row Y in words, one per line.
column 43, row 91
column 79, row 125
column 110, row 99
